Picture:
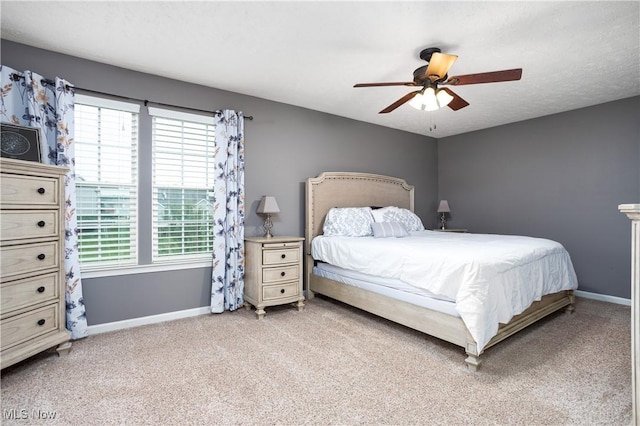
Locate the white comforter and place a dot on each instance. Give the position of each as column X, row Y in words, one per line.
column 491, row 278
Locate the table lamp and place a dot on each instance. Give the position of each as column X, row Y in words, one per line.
column 267, row 206
column 443, row 209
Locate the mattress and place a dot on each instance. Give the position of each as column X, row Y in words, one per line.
column 491, row 278
column 394, row 289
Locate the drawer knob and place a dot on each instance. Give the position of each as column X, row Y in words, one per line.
column 283, row 256
column 41, row 191
column 41, row 321
column 40, row 289
column 282, row 274
column 282, row 291
column 41, row 224
column 41, row 256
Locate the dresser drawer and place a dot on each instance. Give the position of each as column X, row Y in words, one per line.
column 32, row 324
column 273, row 292
column 28, row 292
column 278, row 257
column 20, row 190
column 26, row 224
column 28, row 258
column 277, row 275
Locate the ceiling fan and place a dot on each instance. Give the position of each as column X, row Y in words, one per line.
column 430, row 98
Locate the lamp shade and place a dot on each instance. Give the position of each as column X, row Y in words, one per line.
column 268, row 204
column 443, row 97
column 444, row 207
column 430, row 100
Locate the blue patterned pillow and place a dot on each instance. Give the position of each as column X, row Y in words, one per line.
column 396, row 214
column 388, row 229
column 348, row 222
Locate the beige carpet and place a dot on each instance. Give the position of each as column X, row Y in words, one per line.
column 330, row 364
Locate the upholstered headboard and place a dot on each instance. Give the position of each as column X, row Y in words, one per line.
column 350, row 189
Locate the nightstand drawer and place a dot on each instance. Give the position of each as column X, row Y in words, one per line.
column 29, row 325
column 275, row 275
column 29, row 191
column 28, row 258
column 29, row 292
column 22, row 225
column 273, row 292
column 278, row 257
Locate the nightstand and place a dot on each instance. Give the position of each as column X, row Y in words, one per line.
column 273, row 272
column 451, row 230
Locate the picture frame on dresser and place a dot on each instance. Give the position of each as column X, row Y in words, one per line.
column 20, row 142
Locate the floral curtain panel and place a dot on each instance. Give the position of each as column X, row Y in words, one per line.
column 30, row 100
column 227, row 280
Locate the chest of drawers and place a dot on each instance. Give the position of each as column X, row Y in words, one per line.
column 32, row 303
column 273, row 272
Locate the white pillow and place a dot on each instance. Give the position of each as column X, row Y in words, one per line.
column 348, row 222
column 396, row 214
column 388, row 229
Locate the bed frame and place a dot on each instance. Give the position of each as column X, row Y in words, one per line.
column 350, row 189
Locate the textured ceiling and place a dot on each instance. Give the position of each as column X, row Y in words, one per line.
column 309, row 54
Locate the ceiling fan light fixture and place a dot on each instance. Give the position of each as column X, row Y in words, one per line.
column 430, row 100
column 425, row 100
column 443, row 98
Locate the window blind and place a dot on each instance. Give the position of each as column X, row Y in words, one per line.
column 106, row 141
column 183, row 176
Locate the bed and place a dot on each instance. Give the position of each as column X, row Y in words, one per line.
column 398, row 296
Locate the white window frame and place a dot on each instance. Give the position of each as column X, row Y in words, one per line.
column 107, row 267
column 185, row 117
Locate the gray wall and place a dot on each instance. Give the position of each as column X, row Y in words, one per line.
column 284, row 146
column 560, row 177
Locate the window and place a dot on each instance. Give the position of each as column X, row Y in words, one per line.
column 160, row 222
column 183, row 174
column 106, row 143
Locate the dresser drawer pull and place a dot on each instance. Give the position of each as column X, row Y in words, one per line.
column 282, row 274
column 40, row 289
column 41, row 224
column 41, row 256
column 282, row 291
column 41, row 321
column 41, row 191
column 283, row 256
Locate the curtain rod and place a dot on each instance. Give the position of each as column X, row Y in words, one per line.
column 16, row 77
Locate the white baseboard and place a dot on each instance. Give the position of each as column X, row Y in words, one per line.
column 152, row 319
column 603, row 297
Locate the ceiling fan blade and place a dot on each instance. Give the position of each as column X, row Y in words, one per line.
column 457, row 102
column 397, row 83
column 439, row 65
column 485, row 77
column 402, row 100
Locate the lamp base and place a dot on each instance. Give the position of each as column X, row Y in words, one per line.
column 443, row 221
column 268, row 225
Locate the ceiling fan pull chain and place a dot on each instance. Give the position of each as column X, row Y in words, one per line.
column 432, row 124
